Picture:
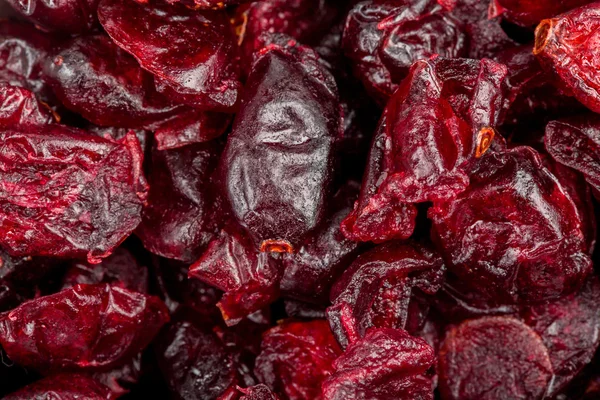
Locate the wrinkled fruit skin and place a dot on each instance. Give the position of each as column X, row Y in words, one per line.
column 296, row 357
column 69, row 16
column 530, row 12
column 277, row 165
column 493, row 358
column 514, row 235
column 94, row 187
column 62, row 387
column 575, row 143
column 452, row 106
column 183, row 211
column 191, row 53
column 386, row 364
column 248, row 277
column 566, row 47
column 87, row 327
column 382, row 288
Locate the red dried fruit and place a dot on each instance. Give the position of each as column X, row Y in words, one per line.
column 566, row 46
column 387, row 364
column 191, row 53
column 296, row 357
column 383, row 38
column 570, row 329
column 249, row 278
column 439, row 121
column 530, row 12
column 575, row 142
column 193, row 361
column 383, row 288
column 19, row 106
column 514, row 235
column 62, row 387
column 309, row 273
column 119, row 269
column 66, row 193
column 87, row 327
column 493, row 358
column 277, row 165
column 70, row 16
column 183, row 212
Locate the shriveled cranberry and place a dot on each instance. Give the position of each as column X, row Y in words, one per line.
column 514, row 235
column 67, row 193
column 277, row 165
column 296, row 357
column 62, row 387
column 183, row 212
column 193, row 360
column 570, row 329
column 191, row 53
column 248, row 277
column 566, row 46
column 439, row 121
column 530, row 12
column 70, row 16
column 19, row 106
column 382, row 289
column 119, row 269
column 386, row 364
column 87, row 327
column 383, row 38
column 493, row 358
column 309, row 273
column 575, row 142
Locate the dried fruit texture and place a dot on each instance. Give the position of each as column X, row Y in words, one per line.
column 183, row 212
column 514, row 235
column 575, row 142
column 530, row 12
column 439, row 121
column 194, row 362
column 566, row 46
column 493, row 358
column 383, row 38
column 384, row 288
column 296, row 357
column 19, row 106
column 65, row 193
column 277, row 165
column 87, row 327
column 69, row 16
column 63, row 387
column 119, row 269
column 570, row 329
column 190, row 52
column 309, row 273
column 121, row 379
column 387, row 364
column 23, row 51
column 249, row 278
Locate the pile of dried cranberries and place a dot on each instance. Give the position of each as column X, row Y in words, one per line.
column 299, row 199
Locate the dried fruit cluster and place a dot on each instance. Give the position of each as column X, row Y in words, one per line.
column 299, row 199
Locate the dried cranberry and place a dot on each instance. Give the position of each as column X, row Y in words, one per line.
column 249, row 278
column 19, row 106
column 62, row 387
column 386, row 364
column 87, row 327
column 191, row 53
column 310, row 272
column 570, row 329
column 296, row 357
column 493, row 358
column 565, row 45
column 119, row 269
column 277, row 165
column 183, row 212
column 66, row 193
column 530, row 12
column 501, row 237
